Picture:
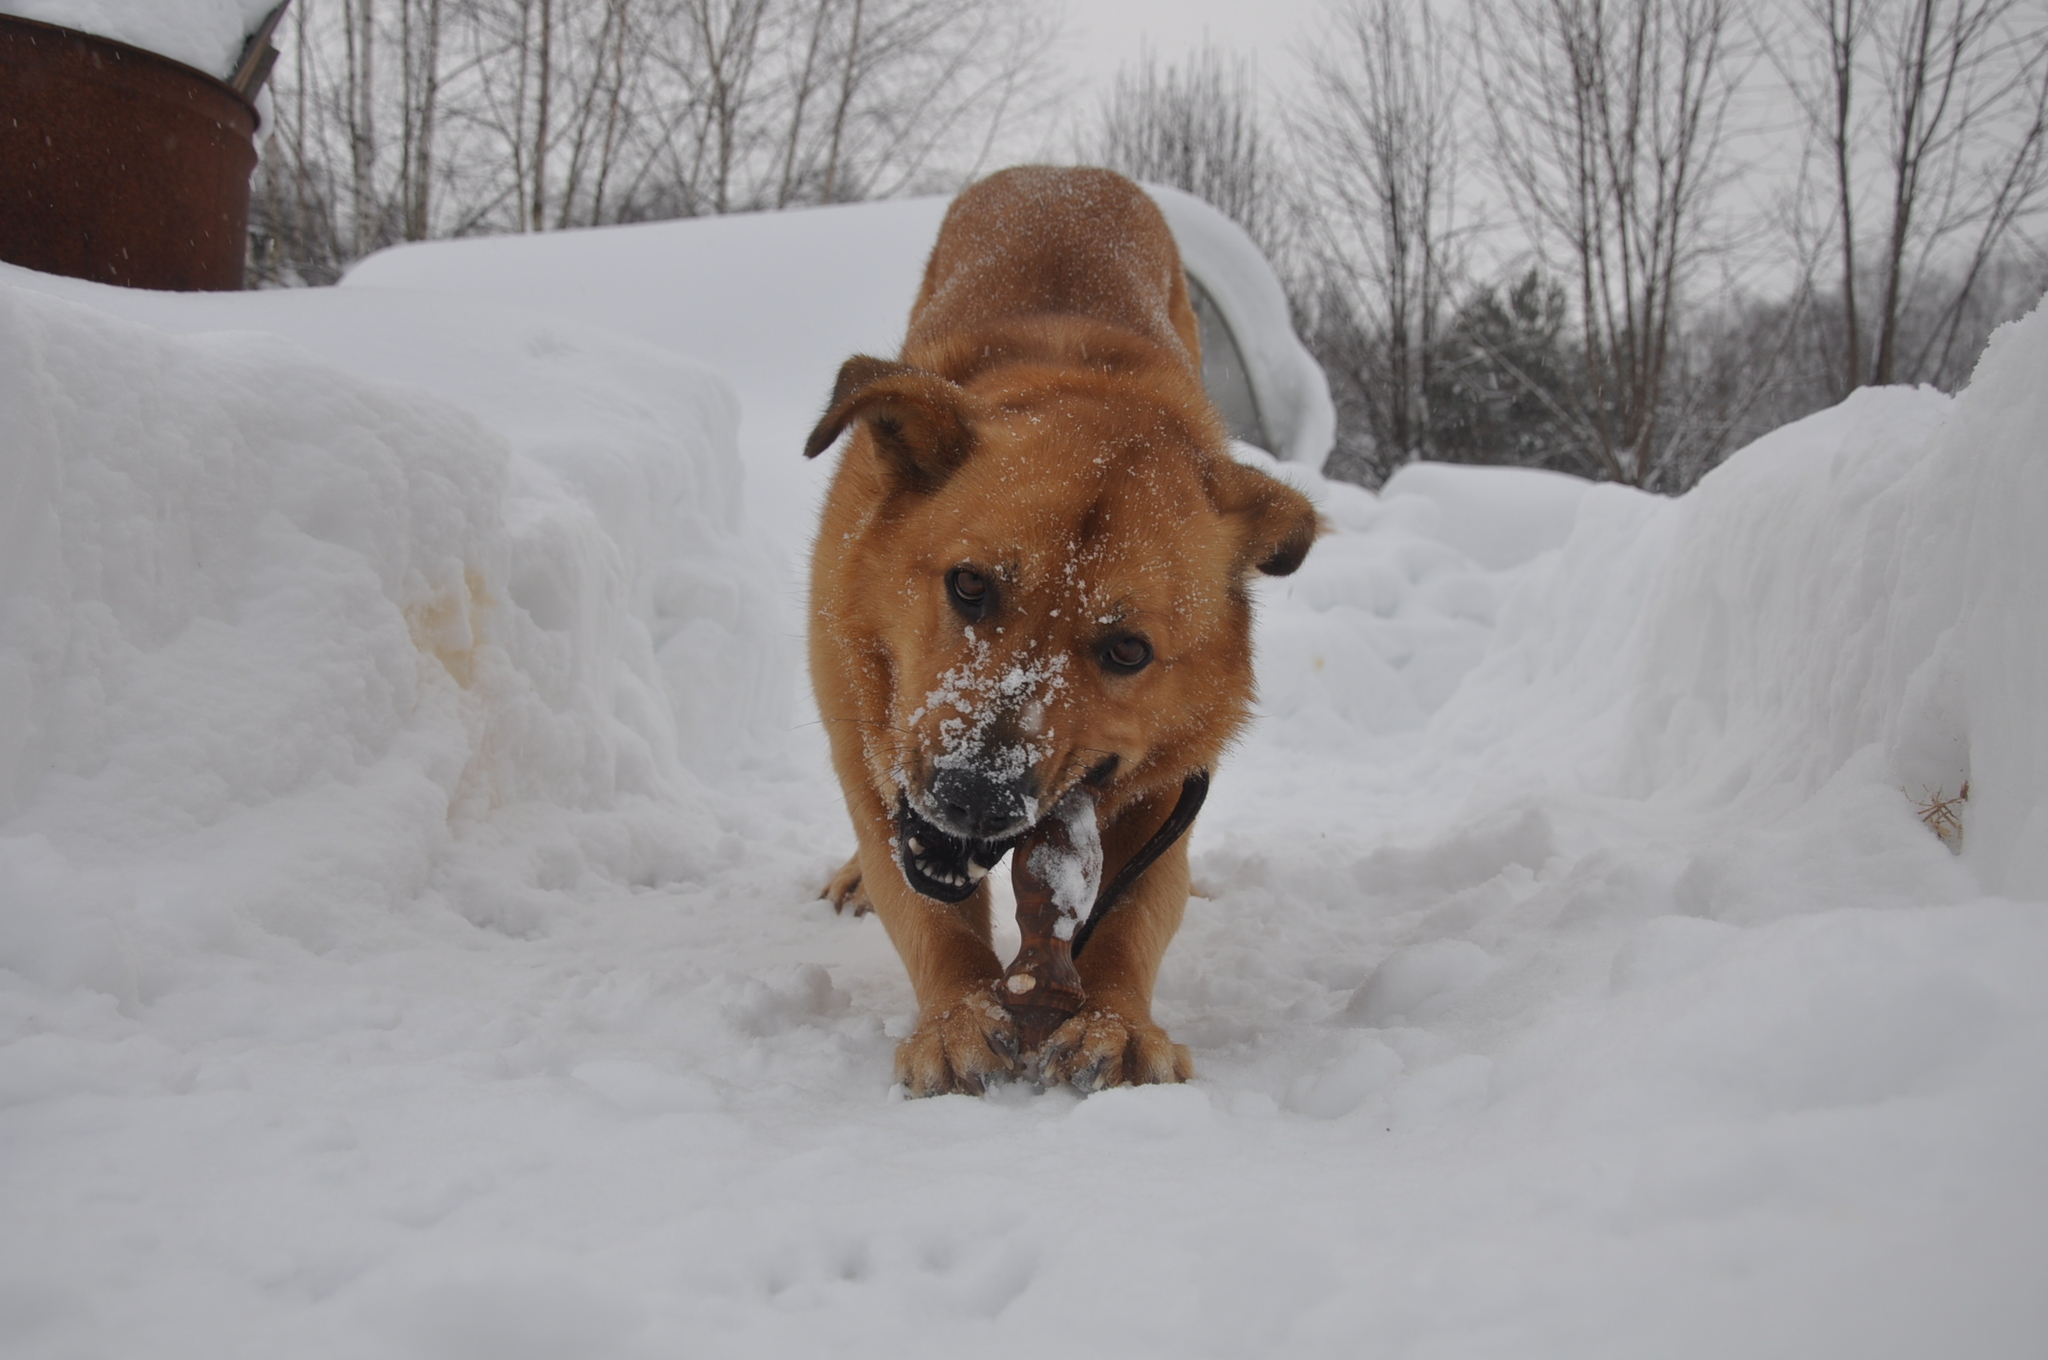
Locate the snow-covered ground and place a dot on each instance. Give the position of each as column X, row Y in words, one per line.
column 411, row 826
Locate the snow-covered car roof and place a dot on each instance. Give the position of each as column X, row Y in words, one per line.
column 775, row 302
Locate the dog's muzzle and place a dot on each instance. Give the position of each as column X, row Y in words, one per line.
column 978, row 806
column 940, row 865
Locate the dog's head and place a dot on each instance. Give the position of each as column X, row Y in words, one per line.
column 1043, row 584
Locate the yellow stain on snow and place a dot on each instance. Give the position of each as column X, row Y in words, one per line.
column 449, row 627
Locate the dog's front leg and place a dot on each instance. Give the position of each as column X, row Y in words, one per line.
column 1113, row 1041
column 964, row 1037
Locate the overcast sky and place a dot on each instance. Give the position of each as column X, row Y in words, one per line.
column 1099, row 35
column 1102, row 33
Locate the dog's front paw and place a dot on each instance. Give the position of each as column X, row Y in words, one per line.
column 961, row 1048
column 1100, row 1047
column 845, row 892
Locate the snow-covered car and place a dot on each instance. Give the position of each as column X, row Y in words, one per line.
column 778, row 300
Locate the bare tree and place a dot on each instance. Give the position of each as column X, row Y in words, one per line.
column 420, row 47
column 849, row 66
column 409, row 119
column 1377, row 136
column 292, row 209
column 359, row 33
column 1195, row 128
column 926, row 84
column 716, row 58
column 1829, row 105
column 1607, row 119
column 803, row 88
column 1933, row 116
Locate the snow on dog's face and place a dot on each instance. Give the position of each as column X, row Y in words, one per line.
column 1048, row 590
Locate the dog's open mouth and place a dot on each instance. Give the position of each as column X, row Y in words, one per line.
column 939, row 865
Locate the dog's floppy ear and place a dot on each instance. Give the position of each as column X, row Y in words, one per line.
column 1276, row 524
column 919, row 419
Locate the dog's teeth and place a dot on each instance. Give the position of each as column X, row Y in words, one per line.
column 939, row 875
column 916, row 846
column 976, row 871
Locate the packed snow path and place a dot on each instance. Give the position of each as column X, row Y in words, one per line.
column 410, row 833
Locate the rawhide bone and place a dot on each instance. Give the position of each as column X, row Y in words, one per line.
column 1056, row 871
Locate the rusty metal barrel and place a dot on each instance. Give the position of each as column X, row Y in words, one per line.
column 120, row 165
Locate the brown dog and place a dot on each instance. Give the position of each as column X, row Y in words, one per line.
column 1031, row 577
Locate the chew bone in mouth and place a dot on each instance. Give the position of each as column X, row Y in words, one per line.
column 939, row 865
column 1058, row 876
column 1067, row 860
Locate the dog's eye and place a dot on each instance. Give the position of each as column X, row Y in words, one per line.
column 969, row 591
column 1127, row 654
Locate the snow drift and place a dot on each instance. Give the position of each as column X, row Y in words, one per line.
column 410, row 826
column 255, row 605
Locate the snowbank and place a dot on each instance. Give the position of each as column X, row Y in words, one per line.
column 1804, row 603
column 1499, row 517
column 1868, row 583
column 1852, row 592
column 1993, row 451
column 207, row 34
column 260, row 614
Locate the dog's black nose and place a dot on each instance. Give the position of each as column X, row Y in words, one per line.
column 976, row 806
